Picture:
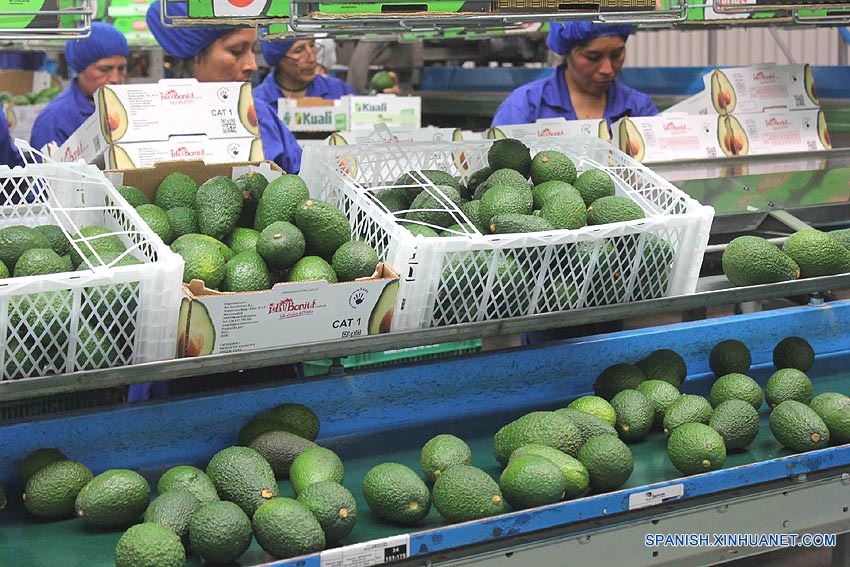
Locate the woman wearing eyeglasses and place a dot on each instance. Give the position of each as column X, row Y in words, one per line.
column 223, row 55
column 98, row 60
column 295, row 73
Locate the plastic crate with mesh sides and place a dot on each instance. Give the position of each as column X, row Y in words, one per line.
column 112, row 310
column 472, row 276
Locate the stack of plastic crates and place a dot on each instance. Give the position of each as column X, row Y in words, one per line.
column 109, row 311
column 476, row 277
column 392, row 357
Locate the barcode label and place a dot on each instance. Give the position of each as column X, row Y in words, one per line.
column 798, row 100
column 812, row 145
column 228, row 125
column 367, row 554
column 712, row 152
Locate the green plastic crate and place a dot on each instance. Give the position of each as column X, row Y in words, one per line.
column 390, row 357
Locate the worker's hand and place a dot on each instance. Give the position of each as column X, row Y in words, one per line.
column 395, row 89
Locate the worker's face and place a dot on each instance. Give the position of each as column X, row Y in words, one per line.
column 593, row 66
column 229, row 58
column 300, row 64
column 106, row 71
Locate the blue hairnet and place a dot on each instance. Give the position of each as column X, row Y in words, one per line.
column 104, row 41
column 565, row 36
column 273, row 51
column 183, row 43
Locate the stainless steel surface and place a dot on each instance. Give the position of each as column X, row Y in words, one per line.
column 712, row 291
column 809, row 507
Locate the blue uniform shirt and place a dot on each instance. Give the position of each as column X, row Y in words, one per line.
column 61, row 117
column 322, row 86
column 8, row 152
column 550, row 98
column 279, row 145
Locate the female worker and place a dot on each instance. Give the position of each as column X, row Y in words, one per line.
column 98, row 60
column 8, row 152
column 584, row 87
column 295, row 73
column 224, row 55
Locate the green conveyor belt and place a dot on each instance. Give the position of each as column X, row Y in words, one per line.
column 24, row 541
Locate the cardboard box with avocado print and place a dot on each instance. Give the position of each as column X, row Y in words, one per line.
column 161, row 112
column 773, row 131
column 392, row 110
column 670, row 137
column 189, row 148
column 213, row 322
column 667, row 137
column 550, row 127
column 738, row 90
column 175, row 107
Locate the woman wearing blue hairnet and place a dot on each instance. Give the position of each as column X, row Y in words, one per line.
column 226, row 54
column 584, row 87
column 295, row 73
column 98, row 60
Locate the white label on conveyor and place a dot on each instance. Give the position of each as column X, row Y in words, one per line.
column 376, row 552
column 655, row 496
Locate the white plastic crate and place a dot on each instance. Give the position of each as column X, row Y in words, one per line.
column 101, row 315
column 476, row 277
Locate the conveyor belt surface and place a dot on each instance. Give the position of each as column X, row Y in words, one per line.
column 374, row 417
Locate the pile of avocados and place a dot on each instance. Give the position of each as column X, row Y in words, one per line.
column 521, row 193
column 544, row 457
column 39, row 324
column 248, row 234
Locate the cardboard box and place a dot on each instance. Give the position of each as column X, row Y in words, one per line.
column 147, row 154
column 19, row 82
column 128, row 8
column 392, row 110
column 313, row 114
column 550, row 127
column 21, row 118
column 783, row 131
column 148, row 179
column 667, row 137
column 244, row 9
column 157, row 111
column 135, row 29
column 165, row 116
column 752, row 89
column 671, row 137
column 213, row 322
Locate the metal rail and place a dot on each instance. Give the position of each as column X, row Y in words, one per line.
column 712, row 291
